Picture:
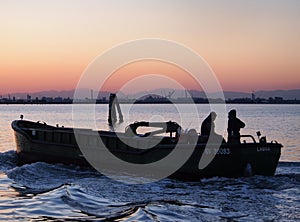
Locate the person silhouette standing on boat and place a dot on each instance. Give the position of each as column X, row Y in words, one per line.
column 234, row 126
column 208, row 129
column 208, row 125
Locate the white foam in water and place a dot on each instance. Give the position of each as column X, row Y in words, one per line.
column 43, row 176
column 86, row 194
column 8, row 160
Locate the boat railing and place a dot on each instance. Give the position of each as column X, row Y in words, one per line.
column 248, row 136
column 65, row 136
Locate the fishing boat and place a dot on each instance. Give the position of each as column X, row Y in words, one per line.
column 38, row 141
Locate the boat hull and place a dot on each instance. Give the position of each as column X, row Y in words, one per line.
column 38, row 142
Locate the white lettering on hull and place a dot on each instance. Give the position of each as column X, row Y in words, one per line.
column 221, row 151
column 263, row 149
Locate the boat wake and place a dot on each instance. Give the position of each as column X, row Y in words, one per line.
column 79, row 194
column 8, row 160
column 43, row 176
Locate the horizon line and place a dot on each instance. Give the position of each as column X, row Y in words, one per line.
column 113, row 91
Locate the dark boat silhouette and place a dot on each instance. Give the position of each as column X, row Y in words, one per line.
column 37, row 141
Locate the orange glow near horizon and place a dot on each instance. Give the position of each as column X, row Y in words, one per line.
column 142, row 69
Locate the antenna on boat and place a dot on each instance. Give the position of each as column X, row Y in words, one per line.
column 112, row 105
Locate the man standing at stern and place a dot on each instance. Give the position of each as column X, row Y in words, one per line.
column 234, row 126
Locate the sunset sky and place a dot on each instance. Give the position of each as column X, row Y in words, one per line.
column 250, row 45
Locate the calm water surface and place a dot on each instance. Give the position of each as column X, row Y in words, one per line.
column 44, row 192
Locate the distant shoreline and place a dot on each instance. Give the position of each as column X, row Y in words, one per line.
column 175, row 101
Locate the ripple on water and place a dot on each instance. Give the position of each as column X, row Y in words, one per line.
column 43, row 191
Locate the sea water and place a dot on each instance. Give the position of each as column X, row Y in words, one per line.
column 56, row 192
